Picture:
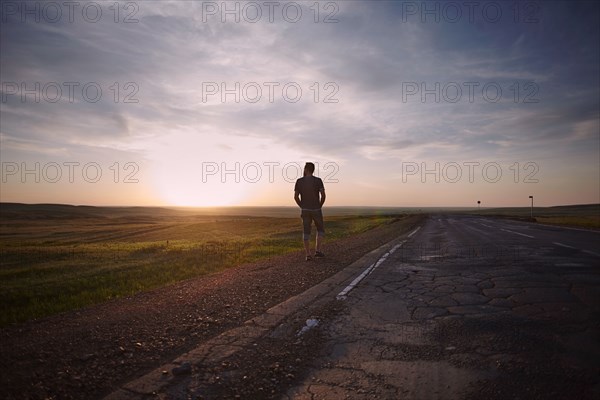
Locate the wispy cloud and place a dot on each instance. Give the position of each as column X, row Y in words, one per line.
column 370, row 55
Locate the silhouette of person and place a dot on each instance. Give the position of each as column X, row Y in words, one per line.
column 309, row 194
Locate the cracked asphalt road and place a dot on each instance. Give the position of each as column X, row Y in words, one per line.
column 463, row 307
column 468, row 307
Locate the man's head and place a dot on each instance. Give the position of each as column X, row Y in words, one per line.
column 309, row 168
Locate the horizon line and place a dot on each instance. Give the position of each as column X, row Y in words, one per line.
column 288, row 206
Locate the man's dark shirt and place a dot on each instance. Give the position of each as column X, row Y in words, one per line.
column 309, row 187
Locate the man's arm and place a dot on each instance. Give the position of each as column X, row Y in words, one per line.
column 322, row 191
column 297, row 198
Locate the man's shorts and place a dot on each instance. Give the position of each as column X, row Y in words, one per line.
column 308, row 216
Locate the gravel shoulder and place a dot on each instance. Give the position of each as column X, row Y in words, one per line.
column 89, row 352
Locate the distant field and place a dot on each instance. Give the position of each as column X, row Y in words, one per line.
column 583, row 216
column 56, row 258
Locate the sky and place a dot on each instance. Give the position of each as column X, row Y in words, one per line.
column 203, row 103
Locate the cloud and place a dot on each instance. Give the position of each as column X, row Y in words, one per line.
column 369, row 54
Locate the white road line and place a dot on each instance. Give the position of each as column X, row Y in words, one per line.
column 575, row 248
column 569, row 228
column 413, row 232
column 564, row 245
column 371, row 268
column 517, row 233
column 591, row 252
column 489, row 226
column 356, row 281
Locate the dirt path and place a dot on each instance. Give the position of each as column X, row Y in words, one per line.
column 87, row 353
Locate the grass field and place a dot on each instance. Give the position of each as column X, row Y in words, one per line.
column 56, row 258
column 582, row 216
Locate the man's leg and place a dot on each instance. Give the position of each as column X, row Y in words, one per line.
column 307, row 247
column 318, row 217
column 306, row 227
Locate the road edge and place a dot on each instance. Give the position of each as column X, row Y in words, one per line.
column 234, row 340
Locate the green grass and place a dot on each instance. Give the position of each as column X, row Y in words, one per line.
column 50, row 265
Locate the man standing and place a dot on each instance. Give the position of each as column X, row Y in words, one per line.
column 309, row 194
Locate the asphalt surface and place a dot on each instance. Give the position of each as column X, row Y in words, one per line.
column 463, row 307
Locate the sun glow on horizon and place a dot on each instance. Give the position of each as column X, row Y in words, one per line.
column 189, row 191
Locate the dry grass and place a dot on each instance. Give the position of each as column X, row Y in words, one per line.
column 589, row 222
column 582, row 216
column 50, row 264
